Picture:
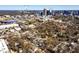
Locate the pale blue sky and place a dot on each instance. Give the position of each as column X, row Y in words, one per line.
column 39, row 7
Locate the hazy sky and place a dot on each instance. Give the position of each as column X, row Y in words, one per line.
column 39, row 7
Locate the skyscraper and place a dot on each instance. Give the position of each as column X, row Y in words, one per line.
column 45, row 12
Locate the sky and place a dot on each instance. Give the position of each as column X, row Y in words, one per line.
column 39, row 7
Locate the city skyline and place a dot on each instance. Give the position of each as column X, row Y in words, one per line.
column 39, row 7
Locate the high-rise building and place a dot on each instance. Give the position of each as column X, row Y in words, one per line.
column 45, row 12
column 48, row 12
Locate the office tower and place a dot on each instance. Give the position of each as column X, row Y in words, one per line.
column 45, row 12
